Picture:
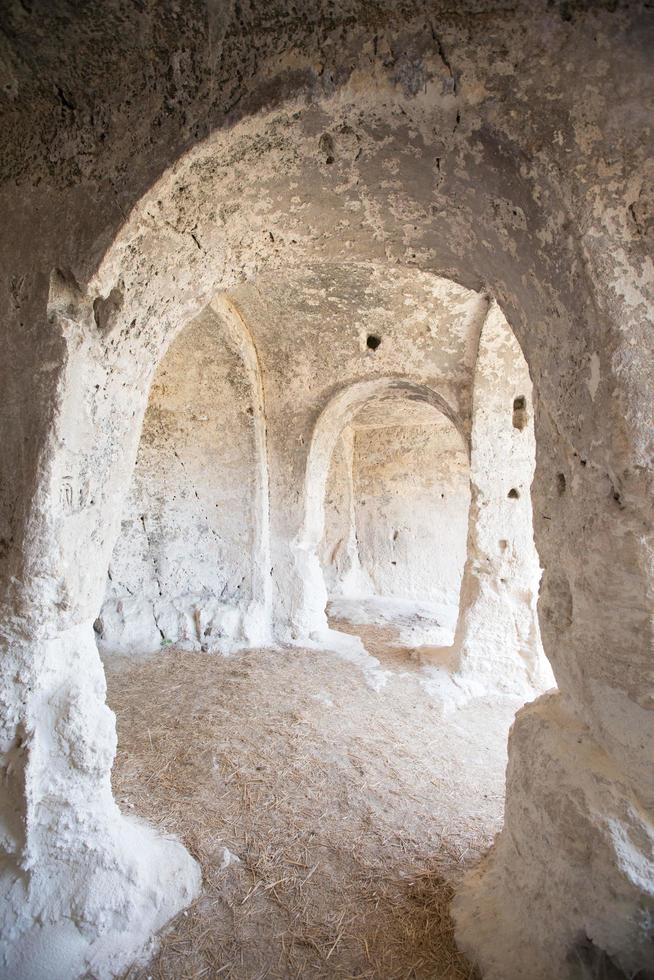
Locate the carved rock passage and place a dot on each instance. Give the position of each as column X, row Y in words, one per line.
column 151, row 160
column 410, row 496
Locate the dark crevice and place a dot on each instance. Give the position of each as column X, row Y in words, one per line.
column 66, row 103
column 444, row 59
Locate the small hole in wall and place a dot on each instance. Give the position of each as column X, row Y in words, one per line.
column 560, row 483
column 519, row 412
column 372, row 341
column 513, row 494
column 503, row 544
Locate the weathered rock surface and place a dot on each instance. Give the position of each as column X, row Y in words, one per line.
column 155, row 157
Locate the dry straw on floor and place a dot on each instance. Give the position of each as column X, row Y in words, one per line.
column 351, row 813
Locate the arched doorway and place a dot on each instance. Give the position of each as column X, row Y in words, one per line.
column 340, row 414
column 188, row 566
column 396, row 504
column 501, row 219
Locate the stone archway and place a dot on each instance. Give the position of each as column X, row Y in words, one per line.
column 311, row 621
column 592, row 512
column 396, row 518
column 190, row 565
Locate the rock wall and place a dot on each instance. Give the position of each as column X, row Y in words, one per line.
column 153, row 157
column 181, row 570
column 412, row 492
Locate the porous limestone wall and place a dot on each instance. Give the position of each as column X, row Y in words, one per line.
column 412, row 492
column 153, row 156
column 497, row 644
column 181, row 570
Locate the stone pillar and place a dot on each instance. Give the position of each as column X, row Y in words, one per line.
column 257, row 625
column 497, row 643
column 351, row 581
column 82, row 886
column 567, row 891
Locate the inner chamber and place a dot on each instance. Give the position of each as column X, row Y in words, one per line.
column 396, row 520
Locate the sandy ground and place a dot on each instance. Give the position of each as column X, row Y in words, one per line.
column 352, row 813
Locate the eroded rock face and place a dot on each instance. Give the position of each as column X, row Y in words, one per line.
column 508, row 150
column 497, row 645
column 574, row 827
column 183, row 568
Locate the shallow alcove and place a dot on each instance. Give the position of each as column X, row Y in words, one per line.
column 184, row 569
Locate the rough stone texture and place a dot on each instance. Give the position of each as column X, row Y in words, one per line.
column 566, row 804
column 182, row 567
column 497, row 644
column 406, row 512
column 152, row 156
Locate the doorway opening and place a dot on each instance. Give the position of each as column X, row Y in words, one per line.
column 396, row 522
column 187, row 568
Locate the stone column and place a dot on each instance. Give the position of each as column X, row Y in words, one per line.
column 257, row 626
column 497, row 645
column 351, row 580
column 82, row 886
column 567, row 891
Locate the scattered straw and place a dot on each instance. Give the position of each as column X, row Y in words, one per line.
column 353, row 814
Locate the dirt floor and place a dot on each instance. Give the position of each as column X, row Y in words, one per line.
column 351, row 813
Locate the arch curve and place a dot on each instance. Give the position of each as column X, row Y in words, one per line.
column 511, row 204
column 311, row 620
